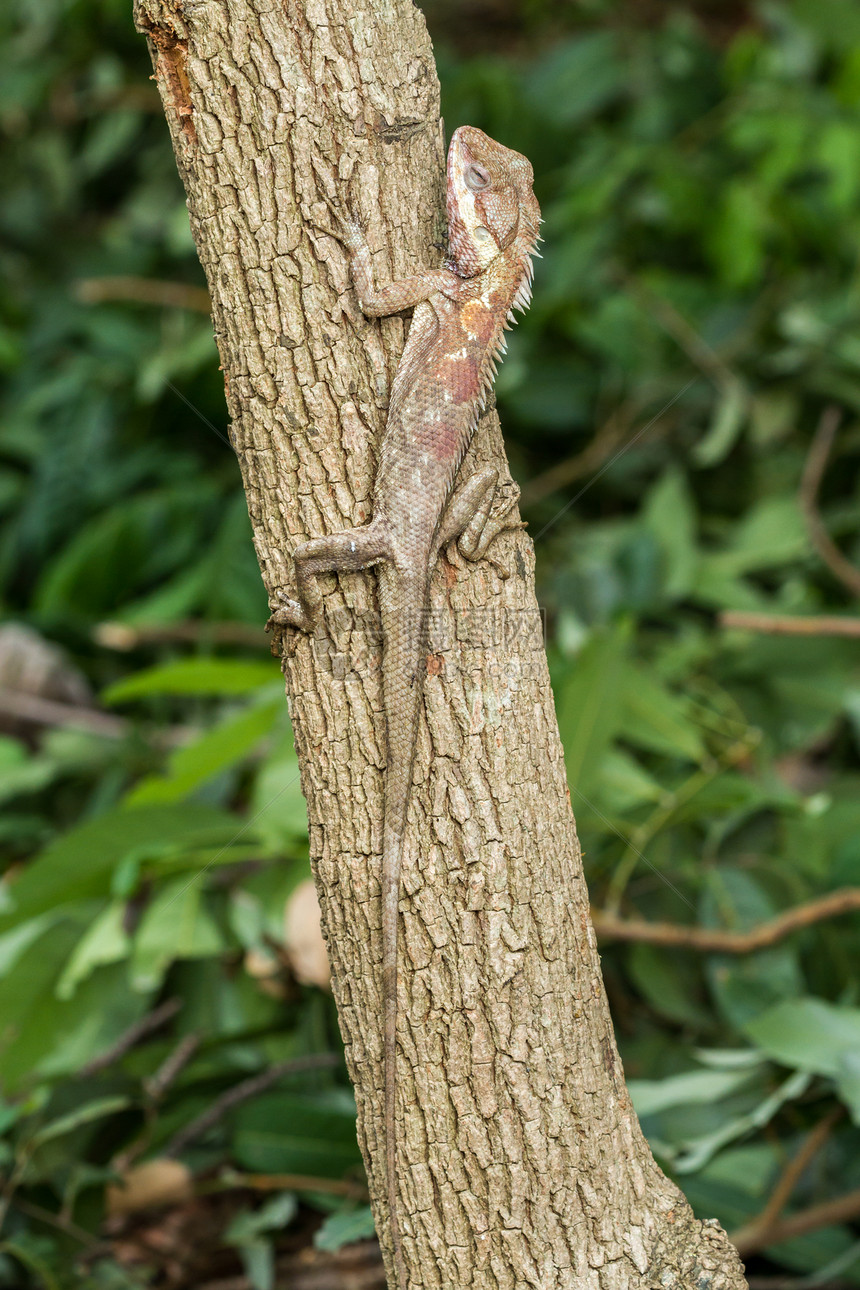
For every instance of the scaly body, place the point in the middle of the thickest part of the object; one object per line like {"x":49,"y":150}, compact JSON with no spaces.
{"x":447,"y":367}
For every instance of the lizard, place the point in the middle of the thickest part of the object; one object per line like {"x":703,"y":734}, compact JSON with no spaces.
{"x":461,"y":311}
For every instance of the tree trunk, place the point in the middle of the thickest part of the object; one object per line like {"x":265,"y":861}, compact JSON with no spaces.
{"x":522,"y":1162}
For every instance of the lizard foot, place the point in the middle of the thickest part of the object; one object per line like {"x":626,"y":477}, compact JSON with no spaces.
{"x":347,"y":229}
{"x":290,"y":614}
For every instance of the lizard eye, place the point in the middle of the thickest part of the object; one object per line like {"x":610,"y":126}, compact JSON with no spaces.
{"x":477,"y":178}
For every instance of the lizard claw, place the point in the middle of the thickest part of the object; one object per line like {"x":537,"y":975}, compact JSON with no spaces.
{"x":347,"y":229}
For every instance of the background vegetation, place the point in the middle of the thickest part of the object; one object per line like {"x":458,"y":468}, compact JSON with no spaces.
{"x":696,"y":315}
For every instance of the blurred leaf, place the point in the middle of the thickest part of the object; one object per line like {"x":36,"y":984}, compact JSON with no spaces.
{"x":218,"y":676}
{"x":226,"y":744}
{"x":345,"y":1227}
{"x":578,"y":78}
{"x":727,"y":424}
{"x":273,"y":1216}
{"x":44,"y":1035}
{"x":294,"y":1133}
{"x":812,"y":1035}
{"x":104,"y":941}
{"x":79,"y":865}
{"x":590,"y":704}
{"x":669,"y":513}
{"x":657,"y":720}
{"x":174,"y":926}
{"x":650,"y":1096}
{"x":82,"y":1115}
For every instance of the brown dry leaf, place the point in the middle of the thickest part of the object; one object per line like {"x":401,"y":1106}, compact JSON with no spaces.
{"x":156,"y":1182}
{"x":303,"y":937}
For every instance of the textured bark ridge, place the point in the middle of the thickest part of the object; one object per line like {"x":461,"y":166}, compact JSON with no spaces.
{"x":522,"y":1163}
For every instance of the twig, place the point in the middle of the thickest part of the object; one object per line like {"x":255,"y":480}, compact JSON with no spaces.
{"x":152,"y":1021}
{"x":58,"y":1221}
{"x":175,"y":1062}
{"x":145,"y":291}
{"x":828,"y":1214}
{"x":123,"y":636}
{"x":813,"y":473}
{"x":788,"y":1180}
{"x":605,"y":441}
{"x":610,"y":927}
{"x":287,"y":1182}
{"x":789,"y":624}
{"x":242,"y":1093}
{"x":682,"y":332}
{"x":37,"y":711}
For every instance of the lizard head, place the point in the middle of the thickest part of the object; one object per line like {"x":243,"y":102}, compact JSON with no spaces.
{"x":490,"y":201}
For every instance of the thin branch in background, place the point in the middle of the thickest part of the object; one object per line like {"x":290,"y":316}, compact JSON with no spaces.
{"x":244,"y":1092}
{"x":609,"y":927}
{"x":828,"y":1214}
{"x":614,"y":429}
{"x":673,"y":322}
{"x":810,"y":485}
{"x":151,"y":1022}
{"x":789,"y":624}
{"x":144,"y":291}
{"x":37,"y":711}
{"x":658,"y":416}
{"x":287,"y":1182}
{"x":746,"y":1237}
{"x":124,"y":636}
{"x":172,"y":1066}
{"x":59,"y":1221}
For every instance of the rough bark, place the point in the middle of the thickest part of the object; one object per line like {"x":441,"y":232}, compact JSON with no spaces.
{"x":522,"y":1162}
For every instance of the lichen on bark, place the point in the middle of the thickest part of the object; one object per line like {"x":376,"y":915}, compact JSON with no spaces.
{"x":521,"y":1159}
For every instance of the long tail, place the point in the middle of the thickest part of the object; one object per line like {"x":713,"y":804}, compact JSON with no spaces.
{"x":403,"y":606}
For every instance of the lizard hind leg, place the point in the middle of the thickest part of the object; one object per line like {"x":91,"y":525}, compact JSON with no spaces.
{"x":344,"y":552}
{"x":467,"y":518}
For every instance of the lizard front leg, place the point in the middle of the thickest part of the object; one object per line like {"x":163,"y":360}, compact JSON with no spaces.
{"x":467,"y":518}
{"x":344,"y":552}
{"x":392,"y":297}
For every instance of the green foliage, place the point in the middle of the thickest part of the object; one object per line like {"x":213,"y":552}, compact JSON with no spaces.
{"x":695,"y":311}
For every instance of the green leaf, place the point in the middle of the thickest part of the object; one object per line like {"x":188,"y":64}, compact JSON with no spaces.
{"x":174,"y":926}
{"x":43,"y":1035}
{"x":82,"y":1115}
{"x":578,"y":77}
{"x":729,"y":420}
{"x":656,"y":719}
{"x":274,"y":1216}
{"x":700,"y":1150}
{"x":669,"y":513}
{"x":812,"y":1035}
{"x":624,"y":784}
{"x":651,"y":1096}
{"x":590,"y":705}
{"x":79,"y":865}
{"x":217,"y":676}
{"x":258,"y":1261}
{"x":34,"y":1262}
{"x":225,"y":745}
{"x":16,"y":942}
{"x":345,"y":1227}
{"x":771,"y":534}
{"x":105,"y":941}
{"x":295,"y":1133}
{"x":668,"y":984}
{"x":278,"y":806}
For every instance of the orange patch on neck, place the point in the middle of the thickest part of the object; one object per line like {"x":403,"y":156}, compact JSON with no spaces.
{"x":476,"y":318}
